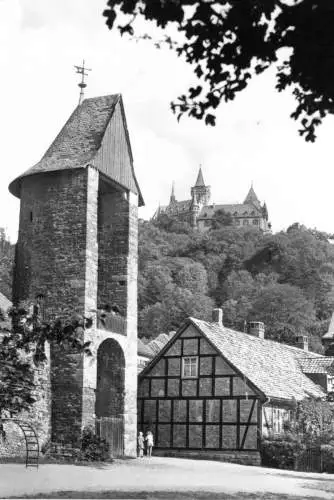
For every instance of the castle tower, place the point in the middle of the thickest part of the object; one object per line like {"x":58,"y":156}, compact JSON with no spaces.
{"x":200,"y":191}
{"x":77,"y":249}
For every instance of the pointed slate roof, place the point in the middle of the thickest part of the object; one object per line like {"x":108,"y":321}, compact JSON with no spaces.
{"x":200,"y":180}
{"x":79,"y":141}
{"x":251,"y":198}
{"x":330,"y":333}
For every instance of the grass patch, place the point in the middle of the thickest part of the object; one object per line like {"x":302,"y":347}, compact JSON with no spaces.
{"x":162,"y":495}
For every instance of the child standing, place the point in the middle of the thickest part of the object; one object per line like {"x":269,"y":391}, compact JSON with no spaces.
{"x":149,"y":442}
{"x":141,"y":444}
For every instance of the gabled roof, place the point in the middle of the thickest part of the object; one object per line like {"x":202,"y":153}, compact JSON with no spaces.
{"x":251,"y":198}
{"x":200,"y":180}
{"x":236,"y":210}
{"x":273,"y":368}
{"x":79,"y":141}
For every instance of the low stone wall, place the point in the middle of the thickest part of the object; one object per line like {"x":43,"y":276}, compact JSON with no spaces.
{"x":14,"y":444}
{"x":236,"y":457}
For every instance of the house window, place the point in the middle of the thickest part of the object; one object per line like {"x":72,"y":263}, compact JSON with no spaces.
{"x":190,"y":367}
{"x":255,"y":222}
{"x":245,"y":222}
{"x":330,"y":384}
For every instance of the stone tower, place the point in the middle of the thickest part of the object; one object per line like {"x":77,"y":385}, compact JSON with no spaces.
{"x":77,"y":251}
{"x":201,"y":193}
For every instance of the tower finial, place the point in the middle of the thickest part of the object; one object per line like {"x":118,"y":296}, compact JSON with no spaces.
{"x":82,"y":85}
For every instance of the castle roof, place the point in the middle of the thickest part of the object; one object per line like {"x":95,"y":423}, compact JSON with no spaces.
{"x":237,"y":210}
{"x":251,"y":198}
{"x":200,"y":180}
{"x":176,"y":208}
{"x":80,"y":140}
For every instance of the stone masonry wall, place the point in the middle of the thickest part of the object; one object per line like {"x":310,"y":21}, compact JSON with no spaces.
{"x":52,"y":260}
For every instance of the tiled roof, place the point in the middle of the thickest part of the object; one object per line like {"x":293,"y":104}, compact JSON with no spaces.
{"x":144,"y":350}
{"x":5,"y":303}
{"x":160,"y":341}
{"x":79,"y":141}
{"x":272,"y":367}
{"x":318,"y":365}
{"x":236,"y":210}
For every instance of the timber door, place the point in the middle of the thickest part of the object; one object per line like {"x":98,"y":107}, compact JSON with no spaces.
{"x":112,"y":430}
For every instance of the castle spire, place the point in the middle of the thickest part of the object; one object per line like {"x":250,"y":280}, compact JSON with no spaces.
{"x":251,"y":197}
{"x":172,"y":196}
{"x":200,"y":180}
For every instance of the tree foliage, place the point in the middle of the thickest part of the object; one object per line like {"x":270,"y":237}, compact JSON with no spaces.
{"x":23,"y":348}
{"x":227,"y":42}
{"x":285,"y":280}
{"x":6,"y":264}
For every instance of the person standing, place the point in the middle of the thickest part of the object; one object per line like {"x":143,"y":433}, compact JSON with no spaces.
{"x":141,"y":444}
{"x":149,"y":443}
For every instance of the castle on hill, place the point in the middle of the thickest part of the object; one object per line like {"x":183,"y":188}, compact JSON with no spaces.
{"x":200,"y":212}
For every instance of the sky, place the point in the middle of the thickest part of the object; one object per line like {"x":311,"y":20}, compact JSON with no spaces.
{"x":254,"y":140}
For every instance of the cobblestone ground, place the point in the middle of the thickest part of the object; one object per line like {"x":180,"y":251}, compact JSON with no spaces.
{"x":161,"y":478}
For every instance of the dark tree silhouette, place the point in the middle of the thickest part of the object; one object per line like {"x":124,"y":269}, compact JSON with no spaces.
{"x":229,"y":41}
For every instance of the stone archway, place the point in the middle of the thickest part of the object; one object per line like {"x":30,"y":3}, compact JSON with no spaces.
{"x":109,"y":406}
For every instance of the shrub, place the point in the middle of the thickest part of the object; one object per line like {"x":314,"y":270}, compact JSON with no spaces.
{"x":93,"y":448}
{"x":281,"y":452}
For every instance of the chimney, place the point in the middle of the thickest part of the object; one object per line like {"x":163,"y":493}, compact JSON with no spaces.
{"x":301,"y":341}
{"x":256,"y":328}
{"x":217,"y":316}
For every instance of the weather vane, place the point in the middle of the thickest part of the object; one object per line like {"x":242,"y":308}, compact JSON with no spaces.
{"x":82,"y":71}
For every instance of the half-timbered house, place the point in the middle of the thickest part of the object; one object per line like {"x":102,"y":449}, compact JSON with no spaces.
{"x":213,"y":391}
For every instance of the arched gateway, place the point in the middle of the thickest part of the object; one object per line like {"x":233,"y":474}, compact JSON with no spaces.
{"x":109,"y":406}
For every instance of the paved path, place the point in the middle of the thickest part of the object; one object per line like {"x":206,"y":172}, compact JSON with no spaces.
{"x":163,"y":475}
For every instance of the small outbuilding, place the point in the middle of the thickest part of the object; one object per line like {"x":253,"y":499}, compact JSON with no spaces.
{"x":213,"y":392}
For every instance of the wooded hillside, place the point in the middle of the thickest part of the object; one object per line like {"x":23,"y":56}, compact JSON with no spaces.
{"x":284,"y":279}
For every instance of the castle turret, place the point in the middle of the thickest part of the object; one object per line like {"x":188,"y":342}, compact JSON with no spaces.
{"x":200,"y":191}
{"x":77,"y":248}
